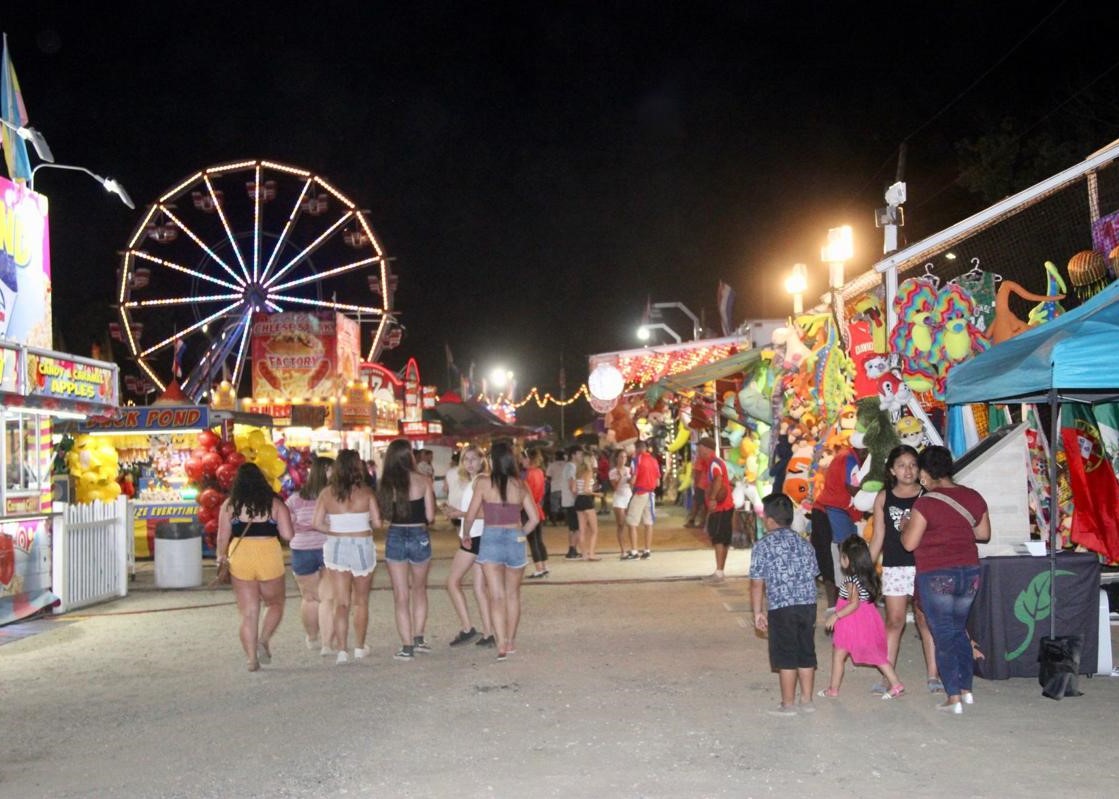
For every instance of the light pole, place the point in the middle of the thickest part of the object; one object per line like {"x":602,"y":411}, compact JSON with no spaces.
{"x":109,"y":184}
{"x":655,"y":314}
{"x":796,"y":284}
{"x":838,"y":250}
{"x":28,"y":133}
{"x":645,"y":331}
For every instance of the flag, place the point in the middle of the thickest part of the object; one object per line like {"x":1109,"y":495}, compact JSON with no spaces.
{"x":13,"y":112}
{"x":725,"y":300}
{"x":1095,"y":490}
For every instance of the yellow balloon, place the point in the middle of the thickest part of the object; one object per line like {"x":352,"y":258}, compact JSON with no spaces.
{"x":256,"y":439}
{"x":686,"y":476}
{"x":683,"y":434}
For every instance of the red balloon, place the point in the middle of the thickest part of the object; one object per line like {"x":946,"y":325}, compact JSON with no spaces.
{"x":208,"y":439}
{"x":211,"y":526}
{"x":235,"y":459}
{"x":210,"y":498}
{"x":205,"y":514}
{"x":225,"y":474}
{"x":227,"y":448}
{"x":193,"y":469}
{"x":210,"y":463}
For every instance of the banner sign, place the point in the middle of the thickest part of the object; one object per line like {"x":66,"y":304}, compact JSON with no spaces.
{"x":294,"y":355}
{"x":25,"y":268}
{"x":154,"y":418}
{"x":25,"y":569}
{"x":50,"y":376}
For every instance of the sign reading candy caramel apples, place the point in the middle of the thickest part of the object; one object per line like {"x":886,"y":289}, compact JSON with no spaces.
{"x":298,"y":355}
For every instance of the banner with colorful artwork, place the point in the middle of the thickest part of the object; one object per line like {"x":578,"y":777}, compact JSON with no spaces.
{"x":25,"y":569}
{"x":25,"y":272}
{"x":296,"y":355}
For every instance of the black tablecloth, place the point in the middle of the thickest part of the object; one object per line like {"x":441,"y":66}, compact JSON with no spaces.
{"x":1011,"y":611}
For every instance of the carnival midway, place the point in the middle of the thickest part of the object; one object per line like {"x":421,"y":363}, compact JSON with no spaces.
{"x":255,"y":307}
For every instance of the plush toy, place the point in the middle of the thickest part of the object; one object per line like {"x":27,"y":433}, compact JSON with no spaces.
{"x":874,"y":432}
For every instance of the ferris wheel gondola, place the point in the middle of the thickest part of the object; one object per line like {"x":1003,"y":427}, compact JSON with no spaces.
{"x":234,"y":241}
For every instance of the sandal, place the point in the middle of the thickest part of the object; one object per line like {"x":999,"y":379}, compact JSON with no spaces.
{"x":934,"y":685}
{"x":827,"y":693}
{"x":894,"y":692}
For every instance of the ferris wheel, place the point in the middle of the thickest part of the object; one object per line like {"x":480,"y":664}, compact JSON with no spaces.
{"x":234,"y":241}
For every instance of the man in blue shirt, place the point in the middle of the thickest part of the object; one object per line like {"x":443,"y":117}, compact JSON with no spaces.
{"x":783,"y":566}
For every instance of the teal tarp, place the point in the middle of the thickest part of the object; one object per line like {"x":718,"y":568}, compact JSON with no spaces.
{"x":1077,"y":354}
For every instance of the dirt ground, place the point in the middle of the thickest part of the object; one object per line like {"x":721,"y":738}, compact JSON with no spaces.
{"x":632,"y":679}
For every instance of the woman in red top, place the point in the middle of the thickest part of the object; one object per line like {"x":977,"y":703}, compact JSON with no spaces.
{"x":941,"y":533}
{"x":534,"y":481}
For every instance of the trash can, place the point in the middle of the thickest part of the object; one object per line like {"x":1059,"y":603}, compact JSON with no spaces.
{"x":178,"y":555}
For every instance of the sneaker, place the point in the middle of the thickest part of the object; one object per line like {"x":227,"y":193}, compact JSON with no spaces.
{"x":967,"y":697}
{"x":420,"y":645}
{"x":362,"y":651}
{"x":487,"y":640}
{"x":956,"y":709}
{"x":783,"y":710}
{"x":934,"y":685}
{"x":342,"y":658}
{"x":310,"y":642}
{"x":714,"y":579}
{"x":464,"y":636}
{"x":571,"y":554}
{"x":327,"y":652}
{"x":645,"y":555}
{"x":631,"y":555}
{"x":405,"y":653}
{"x":536,"y":575}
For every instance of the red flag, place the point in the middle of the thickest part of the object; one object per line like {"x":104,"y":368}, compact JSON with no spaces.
{"x":1095,"y":491}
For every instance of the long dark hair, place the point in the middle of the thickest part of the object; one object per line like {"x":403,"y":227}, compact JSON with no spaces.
{"x":895,"y":453}
{"x":860,"y":565}
{"x":348,"y":473}
{"x":317,"y":477}
{"x":504,"y":466}
{"x":396,"y":479}
{"x":250,"y":492}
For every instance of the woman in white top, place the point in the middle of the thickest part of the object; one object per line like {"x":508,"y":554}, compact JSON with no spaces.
{"x":585,"y":473}
{"x":621,"y":481}
{"x":347,"y":512}
{"x":472,"y":465}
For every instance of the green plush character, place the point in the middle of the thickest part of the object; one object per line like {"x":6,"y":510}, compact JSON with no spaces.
{"x":875,"y":433}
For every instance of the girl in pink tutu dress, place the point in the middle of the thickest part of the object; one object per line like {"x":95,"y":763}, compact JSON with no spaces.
{"x":859,"y":631}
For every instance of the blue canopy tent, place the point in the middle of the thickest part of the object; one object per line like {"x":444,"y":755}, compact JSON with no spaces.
{"x":1074,"y":358}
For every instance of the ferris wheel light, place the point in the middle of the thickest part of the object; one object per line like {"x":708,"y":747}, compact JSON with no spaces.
{"x":308,"y":249}
{"x":175,"y":191}
{"x":345,"y":200}
{"x":184,"y":269}
{"x":217,"y":170}
{"x":291,"y":170}
{"x":292,"y":217}
{"x":219,"y":206}
{"x":193,"y":237}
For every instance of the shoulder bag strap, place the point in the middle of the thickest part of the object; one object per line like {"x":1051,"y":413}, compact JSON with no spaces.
{"x":947,"y":500}
{"x":233,"y":548}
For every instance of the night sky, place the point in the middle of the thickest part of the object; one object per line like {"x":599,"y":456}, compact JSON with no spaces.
{"x":538,"y":171}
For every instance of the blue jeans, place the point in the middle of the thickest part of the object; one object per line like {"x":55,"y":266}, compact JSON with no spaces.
{"x":946,"y":596}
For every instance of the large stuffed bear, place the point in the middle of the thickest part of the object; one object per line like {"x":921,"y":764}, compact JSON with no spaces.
{"x":874,"y":432}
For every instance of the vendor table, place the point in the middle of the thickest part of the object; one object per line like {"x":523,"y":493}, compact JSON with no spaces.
{"x":1011,"y":611}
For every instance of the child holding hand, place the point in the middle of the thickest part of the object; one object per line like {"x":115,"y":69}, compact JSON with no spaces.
{"x":859,"y":631}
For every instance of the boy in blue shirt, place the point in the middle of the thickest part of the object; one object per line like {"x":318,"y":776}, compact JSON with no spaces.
{"x":783,"y":565}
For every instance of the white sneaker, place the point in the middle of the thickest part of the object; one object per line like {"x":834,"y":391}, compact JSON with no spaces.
{"x":967,"y":697}
{"x":362,"y":652}
{"x":342,"y":658}
{"x":311,"y":642}
{"x":327,"y":652}
{"x":714,"y":578}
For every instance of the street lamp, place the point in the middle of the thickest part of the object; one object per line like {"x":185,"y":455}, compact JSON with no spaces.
{"x":796,"y":284}
{"x":28,"y":133}
{"x":109,"y":184}
{"x":646,"y":330}
{"x":838,"y":250}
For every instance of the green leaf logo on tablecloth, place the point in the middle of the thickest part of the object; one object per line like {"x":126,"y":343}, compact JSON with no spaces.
{"x":1032,"y":606}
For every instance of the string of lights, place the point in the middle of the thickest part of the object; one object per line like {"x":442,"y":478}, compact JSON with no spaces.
{"x":542,"y":401}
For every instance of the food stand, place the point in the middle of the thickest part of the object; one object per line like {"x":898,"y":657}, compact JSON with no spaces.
{"x":37,"y":386}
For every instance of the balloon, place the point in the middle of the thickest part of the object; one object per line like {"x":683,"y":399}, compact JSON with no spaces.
{"x":282,"y":451}
{"x":225,"y":474}
{"x":256,"y":439}
{"x":208,"y":440}
{"x":193,"y":469}
{"x":210,"y":463}
{"x":210,"y":498}
{"x":211,"y":526}
{"x":205,"y":514}
{"x":287,"y":483}
{"x":227,"y":449}
{"x":235,"y":459}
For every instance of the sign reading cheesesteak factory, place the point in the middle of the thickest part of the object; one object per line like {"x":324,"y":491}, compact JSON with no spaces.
{"x":297,"y":355}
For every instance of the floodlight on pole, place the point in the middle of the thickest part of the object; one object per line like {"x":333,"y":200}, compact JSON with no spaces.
{"x":796,"y":284}
{"x":646,"y":330}
{"x":28,"y":133}
{"x":686,"y":311}
{"x":109,"y":184}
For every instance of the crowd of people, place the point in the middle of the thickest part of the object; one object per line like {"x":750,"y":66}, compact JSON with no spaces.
{"x":496,"y":502}
{"x":925,"y":530}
